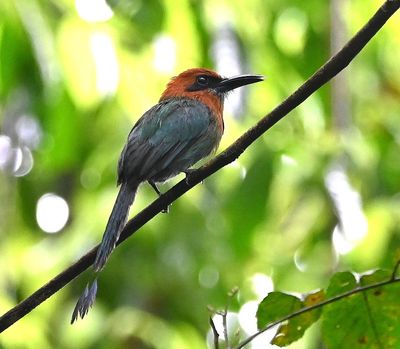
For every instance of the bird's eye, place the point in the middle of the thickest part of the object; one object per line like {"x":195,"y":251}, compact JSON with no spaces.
{"x":202,"y":80}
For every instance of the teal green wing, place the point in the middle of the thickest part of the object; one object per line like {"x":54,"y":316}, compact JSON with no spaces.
{"x":168,"y":139}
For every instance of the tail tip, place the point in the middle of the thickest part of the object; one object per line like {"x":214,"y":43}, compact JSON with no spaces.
{"x":85,"y":302}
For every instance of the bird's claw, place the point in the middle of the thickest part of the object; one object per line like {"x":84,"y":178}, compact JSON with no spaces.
{"x":188,"y":173}
{"x":154,"y":186}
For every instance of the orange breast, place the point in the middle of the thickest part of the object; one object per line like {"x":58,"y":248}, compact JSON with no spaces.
{"x":211,"y":100}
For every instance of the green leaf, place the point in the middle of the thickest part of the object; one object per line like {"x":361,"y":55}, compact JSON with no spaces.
{"x":277,"y":305}
{"x":369,"y":319}
{"x":340,"y":283}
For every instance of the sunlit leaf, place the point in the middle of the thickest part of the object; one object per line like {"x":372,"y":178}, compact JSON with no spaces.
{"x":278,"y":305}
{"x":370,"y":319}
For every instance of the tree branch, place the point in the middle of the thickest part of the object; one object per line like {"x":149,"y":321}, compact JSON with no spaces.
{"x":336,"y":64}
{"x":316,"y":306}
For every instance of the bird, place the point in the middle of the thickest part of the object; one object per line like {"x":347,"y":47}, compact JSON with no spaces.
{"x":185,"y":126}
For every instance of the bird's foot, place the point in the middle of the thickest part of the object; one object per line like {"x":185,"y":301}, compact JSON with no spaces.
{"x":154,"y":186}
{"x":188,"y":174}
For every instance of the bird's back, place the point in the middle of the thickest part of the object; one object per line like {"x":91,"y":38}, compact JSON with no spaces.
{"x":168,"y":139}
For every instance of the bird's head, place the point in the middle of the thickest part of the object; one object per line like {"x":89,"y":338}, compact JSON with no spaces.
{"x":200,"y":83}
{"x":207,"y":87}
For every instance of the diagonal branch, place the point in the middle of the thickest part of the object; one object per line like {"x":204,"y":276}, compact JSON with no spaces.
{"x":335,"y":65}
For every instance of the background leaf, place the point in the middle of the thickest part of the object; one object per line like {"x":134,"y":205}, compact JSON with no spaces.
{"x":278,"y":305}
{"x":368,"y":320}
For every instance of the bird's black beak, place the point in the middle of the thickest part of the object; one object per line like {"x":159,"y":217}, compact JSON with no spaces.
{"x":229,"y":84}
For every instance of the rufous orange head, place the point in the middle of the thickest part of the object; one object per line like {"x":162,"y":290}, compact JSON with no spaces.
{"x":206,"y":86}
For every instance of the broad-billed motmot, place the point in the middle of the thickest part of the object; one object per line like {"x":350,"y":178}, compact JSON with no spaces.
{"x":185,"y":126}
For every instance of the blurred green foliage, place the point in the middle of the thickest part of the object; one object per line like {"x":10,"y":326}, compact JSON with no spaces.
{"x":79,"y":74}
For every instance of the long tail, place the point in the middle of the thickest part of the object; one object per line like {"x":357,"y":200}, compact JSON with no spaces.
{"x":113,"y":230}
{"x":115,"y":224}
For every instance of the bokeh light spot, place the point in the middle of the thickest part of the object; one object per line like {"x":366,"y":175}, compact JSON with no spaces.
{"x":28,"y":131}
{"x":24,"y":162}
{"x":300,"y":264}
{"x":5,"y":150}
{"x":106,"y":63}
{"x":208,"y":277}
{"x":262,"y":284}
{"x":18,"y":157}
{"x":288,"y":160}
{"x":248,"y":322}
{"x":352,"y":227}
{"x":290,"y":31}
{"x":232,"y":323}
{"x":93,"y":10}
{"x":164,"y":53}
{"x":52,"y":213}
{"x":90,"y":178}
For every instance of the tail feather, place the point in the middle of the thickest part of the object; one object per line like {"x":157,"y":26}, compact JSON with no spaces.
{"x":115,"y":224}
{"x":113,"y":230}
{"x":85,"y":302}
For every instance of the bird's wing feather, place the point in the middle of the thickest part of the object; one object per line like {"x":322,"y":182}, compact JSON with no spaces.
{"x":171,"y":129}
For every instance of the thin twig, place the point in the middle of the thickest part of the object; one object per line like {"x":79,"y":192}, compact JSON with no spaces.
{"x":316,"y":306}
{"x":232,"y":293}
{"x":215,"y":333}
{"x":335,"y":65}
{"x":396,"y":269}
{"x":224,"y":315}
